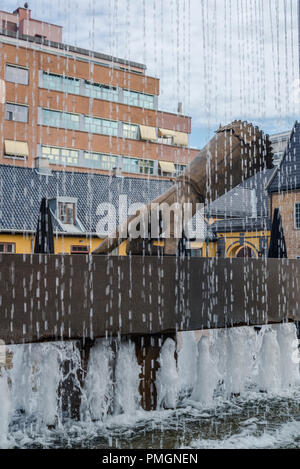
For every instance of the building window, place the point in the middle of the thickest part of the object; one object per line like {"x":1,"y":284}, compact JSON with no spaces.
{"x":137,"y":166}
{"x":133,"y":98}
{"x":98,"y":91}
{"x":7,"y":248}
{"x":131,"y":131}
{"x":16,"y":74}
{"x":179,"y":168}
{"x":80,"y":249}
{"x":16,"y":112}
{"x":66,"y":213}
{"x":166,"y":140}
{"x":297,"y":216}
{"x":100,"y":161}
{"x":60,"y":83}
{"x":61,"y":156}
{"x":64,"y":120}
{"x":95,"y":125}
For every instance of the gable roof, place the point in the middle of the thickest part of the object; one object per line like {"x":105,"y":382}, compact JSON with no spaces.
{"x":287,"y":176}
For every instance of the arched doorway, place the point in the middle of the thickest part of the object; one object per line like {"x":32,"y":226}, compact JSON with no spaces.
{"x":245,"y":251}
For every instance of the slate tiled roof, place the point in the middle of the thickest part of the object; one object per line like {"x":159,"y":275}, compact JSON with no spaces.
{"x":21,"y":191}
{"x":249,"y":199}
{"x":287,"y":176}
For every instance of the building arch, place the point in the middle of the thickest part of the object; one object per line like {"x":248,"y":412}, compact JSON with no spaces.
{"x":246,"y":249}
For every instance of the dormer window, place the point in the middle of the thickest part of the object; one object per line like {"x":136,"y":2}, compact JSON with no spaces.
{"x":66,"y":213}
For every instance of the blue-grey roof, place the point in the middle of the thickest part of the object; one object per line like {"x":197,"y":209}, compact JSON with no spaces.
{"x":21,"y":191}
{"x":247,"y":200}
{"x":287,"y":176}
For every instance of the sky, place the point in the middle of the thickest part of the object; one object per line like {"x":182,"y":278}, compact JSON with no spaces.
{"x":223,"y":59}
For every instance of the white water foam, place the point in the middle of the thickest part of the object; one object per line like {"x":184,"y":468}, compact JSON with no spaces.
{"x":167,"y":380}
{"x":127,"y":397}
{"x":5,"y":408}
{"x":269,"y":375}
{"x":31,"y":393}
{"x":98,"y":395}
{"x":187,"y":361}
{"x":203,"y":390}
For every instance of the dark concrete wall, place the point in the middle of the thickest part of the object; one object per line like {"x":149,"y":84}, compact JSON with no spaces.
{"x":69,"y":297}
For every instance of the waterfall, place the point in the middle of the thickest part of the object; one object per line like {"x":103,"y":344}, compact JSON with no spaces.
{"x":5,"y":408}
{"x":127,"y":398}
{"x":269,"y":376}
{"x":206,"y":374}
{"x":97,"y":400}
{"x":187,"y":355}
{"x":239,"y":359}
{"x":289,"y":360}
{"x":167,"y":382}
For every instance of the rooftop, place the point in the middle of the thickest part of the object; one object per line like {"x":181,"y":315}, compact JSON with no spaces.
{"x":287,"y":176}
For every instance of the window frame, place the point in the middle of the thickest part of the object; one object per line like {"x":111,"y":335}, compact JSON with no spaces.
{"x":137,"y":131}
{"x":58,"y":159}
{"x":73,"y":249}
{"x":6,"y":244}
{"x":20,"y":105}
{"x":64,"y":204}
{"x":62,"y":82}
{"x":18,"y":67}
{"x":295,"y":216}
{"x":61,"y":124}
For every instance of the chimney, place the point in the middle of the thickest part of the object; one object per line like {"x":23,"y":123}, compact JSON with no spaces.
{"x":179,"y":108}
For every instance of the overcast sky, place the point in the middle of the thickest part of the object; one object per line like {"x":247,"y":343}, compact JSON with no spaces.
{"x":223,"y":59}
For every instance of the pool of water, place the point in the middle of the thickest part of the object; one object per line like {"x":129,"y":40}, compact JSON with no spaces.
{"x":254,"y":421}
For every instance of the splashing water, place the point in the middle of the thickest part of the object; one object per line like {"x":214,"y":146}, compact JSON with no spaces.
{"x":289,"y":359}
{"x":187,"y":354}
{"x":231,"y":368}
{"x":98,"y":389}
{"x":127,"y":380}
{"x":206,"y":374}
{"x":269,"y":378}
{"x":5,"y":407}
{"x":239,"y":361}
{"x":167,"y":377}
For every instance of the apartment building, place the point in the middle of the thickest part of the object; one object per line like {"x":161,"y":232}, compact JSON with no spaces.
{"x":67,"y":108}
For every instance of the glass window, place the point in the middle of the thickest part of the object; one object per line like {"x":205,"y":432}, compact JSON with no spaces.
{"x":130,"y":131}
{"x":80,"y":249}
{"x":64,"y":120}
{"x":61,"y":83}
{"x":166,"y":140}
{"x":98,"y":91}
{"x":100,"y":161}
{"x":61,"y":156}
{"x":16,"y":112}
{"x":133,"y":98}
{"x":66,"y":213}
{"x":8,"y":248}
{"x":137,"y":166}
{"x":297,"y":216}
{"x":16,"y":74}
{"x":95,"y":125}
{"x":179,"y":168}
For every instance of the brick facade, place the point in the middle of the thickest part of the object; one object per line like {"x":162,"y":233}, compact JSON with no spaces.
{"x":285,"y":201}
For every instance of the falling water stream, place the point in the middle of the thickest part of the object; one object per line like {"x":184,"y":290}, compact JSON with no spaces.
{"x":234,"y":388}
